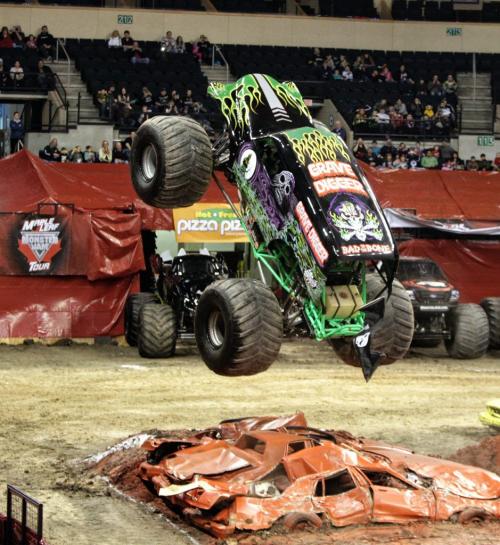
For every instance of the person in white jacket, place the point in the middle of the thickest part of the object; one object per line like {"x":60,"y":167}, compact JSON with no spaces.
{"x":115,"y":40}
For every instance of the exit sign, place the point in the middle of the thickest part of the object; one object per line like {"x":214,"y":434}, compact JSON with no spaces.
{"x":125,"y":19}
{"x":454,"y":31}
{"x":485,"y":140}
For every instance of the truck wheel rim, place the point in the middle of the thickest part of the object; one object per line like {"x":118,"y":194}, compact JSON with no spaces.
{"x":149,"y":162}
{"x":216,"y":328}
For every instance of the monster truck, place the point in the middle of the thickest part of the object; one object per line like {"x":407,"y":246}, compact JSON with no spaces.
{"x":438,"y":315}
{"x":311,"y":216}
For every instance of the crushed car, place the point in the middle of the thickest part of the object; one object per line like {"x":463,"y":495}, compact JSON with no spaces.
{"x":252,"y":473}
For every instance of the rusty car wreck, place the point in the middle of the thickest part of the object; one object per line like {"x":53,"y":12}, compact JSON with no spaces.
{"x":251,"y":473}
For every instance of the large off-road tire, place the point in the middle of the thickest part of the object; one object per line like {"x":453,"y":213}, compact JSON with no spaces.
{"x":157,"y":331}
{"x":491,"y":306}
{"x":171,"y":161}
{"x":238,"y":327}
{"x":132,"y":308}
{"x":392,"y":335}
{"x":470,"y":332}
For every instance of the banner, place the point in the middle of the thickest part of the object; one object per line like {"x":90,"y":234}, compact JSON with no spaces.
{"x":208,"y":222}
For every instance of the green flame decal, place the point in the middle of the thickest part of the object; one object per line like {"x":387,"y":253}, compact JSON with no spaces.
{"x":316,"y":145}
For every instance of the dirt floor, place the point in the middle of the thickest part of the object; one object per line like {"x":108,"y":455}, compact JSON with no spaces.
{"x":59,"y":405}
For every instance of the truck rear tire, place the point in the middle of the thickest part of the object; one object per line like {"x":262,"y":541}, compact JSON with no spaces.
{"x":491,"y":306}
{"x":393,"y":334}
{"x":171,"y":161}
{"x":470,"y":333}
{"x":238,"y":327}
{"x":157,"y":331}
{"x":132,"y":309}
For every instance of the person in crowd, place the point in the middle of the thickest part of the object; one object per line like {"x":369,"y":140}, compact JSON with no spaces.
{"x":400,"y":107}
{"x":204,"y":48}
{"x":17,"y":74}
{"x":44,"y":75}
{"x":161,"y":101}
{"x":472,"y":164}
{"x":167,"y":43}
{"x":396,"y":119}
{"x":372,"y":159}
{"x":115,"y":39}
{"x":428,"y":117}
{"x":102,"y":99}
{"x":89,"y":155}
{"x":400,"y":162}
{"x":119,"y":155}
{"x":4,"y":76}
{"x":336,"y":76}
{"x":409,"y":124}
{"x":483,"y":164}
{"x":188,"y":102}
{"x":124,"y":107}
{"x":386,"y":74}
{"x":359,"y":119}
{"x":147,"y":98}
{"x":413,"y":158}
{"x":360,"y":150}
{"x":18,"y":37}
{"x":388,"y":148}
{"x":316,"y":59}
{"x":137,"y":55}
{"x":383,"y":118}
{"x":496,"y":162}
{"x":429,"y":160}
{"x":46,"y":43}
{"x":76,"y":155}
{"x":347,"y":74}
{"x":339,"y":130}
{"x":450,"y":87}
{"x":404,"y":77}
{"x":127,"y":41}
{"x":51,"y":151}
{"x":435,"y":87}
{"x":110,"y":108}
{"x":31,"y":43}
{"x":64,"y":155}
{"x":387,"y":161}
{"x":105,"y":153}
{"x":445,"y":115}
{"x":16,"y":132}
{"x":180,"y":46}
{"x":146,"y":113}
{"x":6,"y":40}
{"x":127,"y":144}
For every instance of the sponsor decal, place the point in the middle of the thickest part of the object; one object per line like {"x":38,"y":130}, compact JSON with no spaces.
{"x":327,"y":186}
{"x":248,"y":161}
{"x":326,"y":169}
{"x":354,"y":219}
{"x":39,"y":240}
{"x":208,"y":223}
{"x":319,"y":251}
{"x":364,"y":249}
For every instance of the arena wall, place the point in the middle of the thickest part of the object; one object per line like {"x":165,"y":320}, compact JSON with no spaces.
{"x":259,"y":29}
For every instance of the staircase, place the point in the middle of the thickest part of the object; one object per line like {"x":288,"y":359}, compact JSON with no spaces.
{"x":72,"y":82}
{"x":218,"y":74}
{"x":477,"y":108}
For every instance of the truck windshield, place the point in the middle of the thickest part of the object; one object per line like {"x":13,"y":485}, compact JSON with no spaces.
{"x":412,"y":270}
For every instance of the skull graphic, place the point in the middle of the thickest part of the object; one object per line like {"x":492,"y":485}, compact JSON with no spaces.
{"x":283,"y":184}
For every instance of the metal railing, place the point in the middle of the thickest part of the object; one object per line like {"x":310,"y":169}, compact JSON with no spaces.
{"x":26,"y":517}
{"x":216,"y":50}
{"x":60,"y":91}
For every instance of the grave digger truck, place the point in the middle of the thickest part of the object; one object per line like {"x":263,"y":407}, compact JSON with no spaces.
{"x":313,"y":223}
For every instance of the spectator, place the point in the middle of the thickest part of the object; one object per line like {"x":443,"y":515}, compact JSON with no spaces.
{"x":372,"y":159}
{"x":76,"y":155}
{"x":146,"y":112}
{"x":400,"y":162}
{"x":386,"y":73}
{"x":416,"y":108}
{"x":4,"y":76}
{"x":16,"y":132}
{"x":168,"y":44}
{"x":18,"y":37}
{"x":115,"y":39}
{"x":89,"y":155}
{"x":102,"y":100}
{"x":316,"y":57}
{"x":137,"y":56}
{"x":400,"y":107}
{"x":434,"y":87}
{"x":453,"y":163}
{"x":45,"y":77}
{"x":188,"y":102}
{"x":429,"y":160}
{"x":409,"y":123}
{"x":46,"y":43}
{"x":483,"y":164}
{"x":403,"y":76}
{"x":336,"y":75}
{"x":17,"y":74}
{"x":162,"y":101}
{"x":497,"y":161}
{"x":387,"y":161}
{"x":119,"y":155}
{"x":180,"y":46}
{"x":127,"y":41}
{"x":347,"y":74}
{"x":450,"y":87}
{"x":51,"y":152}
{"x":147,"y":98}
{"x":204,"y":48}
{"x":123,"y":107}
{"x":359,"y":118}
{"x":339,"y":130}
{"x":64,"y":155}
{"x":127,"y":143}
{"x":445,"y":115}
{"x":6,"y":40}
{"x":360,"y":150}
{"x":428,"y":117}
{"x":472,"y":164}
{"x":383,"y":118}
{"x":388,"y":148}
{"x":31,"y":42}
{"x":413,"y":158}
{"x":105,"y":153}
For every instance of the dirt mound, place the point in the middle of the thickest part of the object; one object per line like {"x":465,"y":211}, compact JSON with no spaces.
{"x":485,"y":454}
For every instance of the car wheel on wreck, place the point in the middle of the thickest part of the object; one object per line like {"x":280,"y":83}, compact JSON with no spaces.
{"x":470,"y":334}
{"x":300,"y":521}
{"x":171,"y":161}
{"x":471,"y":515}
{"x":392,"y":335}
{"x":491,"y":306}
{"x":157,"y":334}
{"x":238,"y":327}
{"x":132,"y":309}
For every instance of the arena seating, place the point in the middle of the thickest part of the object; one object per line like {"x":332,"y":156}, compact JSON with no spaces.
{"x":353,"y":8}
{"x":28,"y":60}
{"x":433,"y":10}
{"x":192,"y":5}
{"x":251,"y":6}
